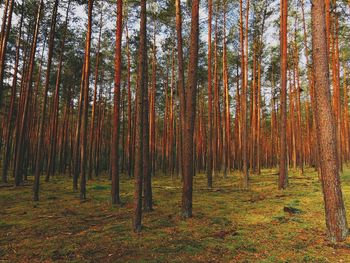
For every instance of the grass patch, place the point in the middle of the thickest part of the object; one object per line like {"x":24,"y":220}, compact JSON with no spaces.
{"x":4,"y":225}
{"x":229,"y":224}
{"x":100,"y":187}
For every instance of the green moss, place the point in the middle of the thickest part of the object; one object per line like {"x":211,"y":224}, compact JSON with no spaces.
{"x":100,"y":187}
{"x":190,"y":246}
{"x":117,"y":228}
{"x":280,"y":219}
{"x":4,"y":224}
{"x":162,"y":222}
{"x":310,"y":258}
{"x":229,"y":224}
{"x":222,"y":221}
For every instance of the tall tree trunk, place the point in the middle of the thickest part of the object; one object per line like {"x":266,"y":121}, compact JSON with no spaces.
{"x":130,"y":142}
{"x":191,"y":91}
{"x":141,"y":92}
{"x":93,"y":114}
{"x":181,"y":81}
{"x":76,"y":150}
{"x":85,"y":104}
{"x":244,"y":75}
{"x":310,"y":77}
{"x":9,"y":128}
{"x":326,"y":131}
{"x":227,"y":150}
{"x":28,"y":86}
{"x":216,"y":107}
{"x":153,"y":93}
{"x":210,"y":101}
{"x":147,"y":162}
{"x":46,"y":88}
{"x":283,"y":167}
{"x":116,"y":117}
{"x":298,"y":102}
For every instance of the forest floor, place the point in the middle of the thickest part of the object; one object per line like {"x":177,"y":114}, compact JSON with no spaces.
{"x":230,"y":224}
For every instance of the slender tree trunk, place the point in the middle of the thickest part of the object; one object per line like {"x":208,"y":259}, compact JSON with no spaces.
{"x":23,"y":119}
{"x":85,"y":105}
{"x":9,"y":128}
{"x":165,"y":127}
{"x":130,"y":142}
{"x":141,"y":92}
{"x":92,"y":127}
{"x":76,"y":151}
{"x":310,"y":77}
{"x":152,"y":107}
{"x":147,"y":162}
{"x":346,"y":114}
{"x":116,"y":117}
{"x":4,"y":39}
{"x":298,"y":104}
{"x":227,"y":150}
{"x":216,"y":107}
{"x":46,"y":88}
{"x":181,"y":82}
{"x":283,"y":167}
{"x":259,"y":120}
{"x":243,"y":40}
{"x":210,"y":101}
{"x":191,"y":91}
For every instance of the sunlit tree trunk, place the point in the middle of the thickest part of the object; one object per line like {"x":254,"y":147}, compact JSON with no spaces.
{"x":326,"y":131}
{"x":210,"y":101}
{"x":310,"y":77}
{"x":334,"y":56}
{"x":85,"y":105}
{"x":298,"y":103}
{"x":243,"y":40}
{"x":346,"y":114}
{"x":283,"y":169}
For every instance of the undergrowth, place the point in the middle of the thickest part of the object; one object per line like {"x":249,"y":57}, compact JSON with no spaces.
{"x":230,"y":224}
